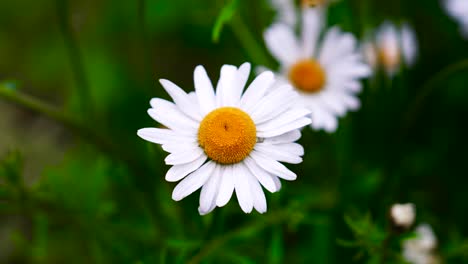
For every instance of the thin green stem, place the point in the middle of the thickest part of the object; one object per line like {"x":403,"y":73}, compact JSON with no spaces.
{"x":428,"y":88}
{"x":76,"y":59}
{"x":248,"y":42}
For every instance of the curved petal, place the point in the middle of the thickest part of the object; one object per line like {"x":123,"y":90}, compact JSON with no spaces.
{"x":226,"y":187}
{"x":282,"y":43}
{"x":178,"y":172}
{"x":209,"y":192}
{"x":257,"y":90}
{"x":163,"y":136}
{"x":242,"y":186}
{"x":312,"y":23}
{"x":181,"y":99}
{"x":193,"y":181}
{"x":265,"y":178}
{"x":284,"y":138}
{"x":186,"y":156}
{"x":258,"y":196}
{"x":296,"y":124}
{"x":226,"y":86}
{"x":273,"y":166}
{"x":204,"y":90}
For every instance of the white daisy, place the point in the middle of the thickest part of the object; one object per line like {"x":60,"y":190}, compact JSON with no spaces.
{"x":403,"y":215}
{"x":391,"y":48}
{"x":458,"y":9}
{"x":325,"y":73}
{"x":228,"y":140}
{"x":420,"y":249}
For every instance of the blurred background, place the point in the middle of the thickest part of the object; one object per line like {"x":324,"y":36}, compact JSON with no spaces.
{"x":78,"y":186}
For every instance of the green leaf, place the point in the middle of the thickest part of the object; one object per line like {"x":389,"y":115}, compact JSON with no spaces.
{"x":224,"y":17}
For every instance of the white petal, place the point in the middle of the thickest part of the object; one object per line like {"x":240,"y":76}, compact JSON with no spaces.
{"x":176,"y":146}
{"x":284,"y":138}
{"x":328,"y":47}
{"x":172,"y":118}
{"x":277,"y":182}
{"x":226,"y":187}
{"x":226,"y":85}
{"x":283,"y":119}
{"x":323,"y":119}
{"x":274,"y":104}
{"x":209,"y":192}
{"x":193,"y":181}
{"x":332,"y":102}
{"x":296,"y":124}
{"x":204,"y":90}
{"x":273,"y":166}
{"x":257,"y":90}
{"x":242,"y":76}
{"x":312,"y":22}
{"x":178,"y":172}
{"x":242,"y":186}
{"x":181,"y":99}
{"x":186,"y":156}
{"x":258,"y":196}
{"x":282,"y":43}
{"x":409,"y":44}
{"x":285,"y":10}
{"x":277,"y":153}
{"x":163,"y":136}
{"x":265,"y":178}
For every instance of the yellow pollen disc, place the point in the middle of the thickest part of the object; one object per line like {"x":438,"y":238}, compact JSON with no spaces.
{"x":227,"y":135}
{"x":389,"y":59}
{"x":307,"y":76}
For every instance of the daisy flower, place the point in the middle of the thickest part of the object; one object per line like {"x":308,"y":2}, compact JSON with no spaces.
{"x":227,"y":140}
{"x":325,"y":73}
{"x":458,"y":9}
{"x":420,"y":249}
{"x":391,"y":48}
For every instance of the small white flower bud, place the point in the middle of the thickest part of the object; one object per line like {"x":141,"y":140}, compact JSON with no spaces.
{"x":403,"y":215}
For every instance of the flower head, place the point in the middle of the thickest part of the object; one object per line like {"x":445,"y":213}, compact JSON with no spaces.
{"x":391,"y":48}
{"x":458,"y":9}
{"x":228,"y":140}
{"x":403,"y":215}
{"x":420,"y":249}
{"x":325,"y":73}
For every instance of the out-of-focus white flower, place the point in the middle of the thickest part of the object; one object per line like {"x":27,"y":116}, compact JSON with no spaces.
{"x":391,"y":48}
{"x":326,"y":73}
{"x":420,"y":249}
{"x":228,"y":139}
{"x":458,"y":9}
{"x":403,"y":215}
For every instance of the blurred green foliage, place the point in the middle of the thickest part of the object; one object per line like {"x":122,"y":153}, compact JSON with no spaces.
{"x":91,"y":68}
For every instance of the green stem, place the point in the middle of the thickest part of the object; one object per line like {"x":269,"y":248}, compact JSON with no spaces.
{"x":428,"y":88}
{"x":71,"y":43}
{"x":248,"y":42}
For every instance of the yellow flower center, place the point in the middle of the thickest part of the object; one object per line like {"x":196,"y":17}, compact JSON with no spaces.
{"x":227,"y":135}
{"x":389,"y":59}
{"x":307,"y":76}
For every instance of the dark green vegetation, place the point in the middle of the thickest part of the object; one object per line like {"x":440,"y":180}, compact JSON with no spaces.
{"x":78,"y":186}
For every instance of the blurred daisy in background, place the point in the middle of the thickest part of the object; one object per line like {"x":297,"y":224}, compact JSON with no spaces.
{"x":391,"y":47}
{"x":325,"y":72}
{"x":458,"y":9}
{"x":228,"y":140}
{"x":403,"y":215}
{"x":420,"y":249}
